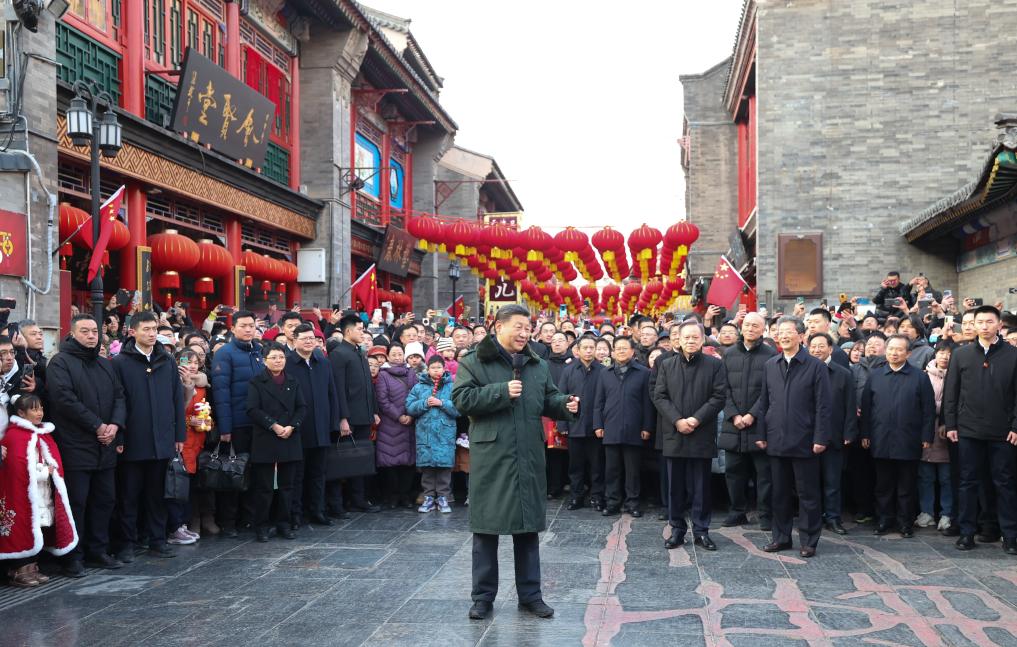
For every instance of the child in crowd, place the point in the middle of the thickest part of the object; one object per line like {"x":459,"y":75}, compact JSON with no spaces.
{"x":430,"y":402}
{"x":34,"y":510}
{"x":447,"y":349}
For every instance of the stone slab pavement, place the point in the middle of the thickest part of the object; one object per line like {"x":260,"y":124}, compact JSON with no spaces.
{"x":400,"y":577}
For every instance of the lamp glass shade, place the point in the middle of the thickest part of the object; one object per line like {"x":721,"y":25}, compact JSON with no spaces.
{"x":79,"y":121}
{"x":109,"y":134}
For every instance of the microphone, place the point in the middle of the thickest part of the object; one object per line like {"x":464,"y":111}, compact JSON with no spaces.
{"x":518,"y":362}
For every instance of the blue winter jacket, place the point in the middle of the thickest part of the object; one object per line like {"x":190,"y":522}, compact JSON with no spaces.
{"x":233,"y":366}
{"x":436,"y":426}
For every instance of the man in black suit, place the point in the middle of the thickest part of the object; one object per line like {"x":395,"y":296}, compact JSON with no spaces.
{"x":793,"y":426}
{"x":356,"y":400}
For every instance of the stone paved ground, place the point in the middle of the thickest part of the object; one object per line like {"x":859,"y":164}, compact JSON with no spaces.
{"x":404,"y":578}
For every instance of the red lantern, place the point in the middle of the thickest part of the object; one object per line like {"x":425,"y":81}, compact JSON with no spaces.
{"x":254,"y":264}
{"x":630,"y":295}
{"x":570,"y":297}
{"x":677,"y":240}
{"x":213,"y":260}
{"x":609,"y":298}
{"x":66,"y":251}
{"x":266,"y":287}
{"x":537,"y":241}
{"x":461,"y":236}
{"x":643,"y":247}
{"x":204,"y":286}
{"x":611,"y":245}
{"x":71,"y":218}
{"x":171,"y":251}
{"x":590,"y":295}
{"x":169,"y":282}
{"x":652,"y":293}
{"x":427,"y":230}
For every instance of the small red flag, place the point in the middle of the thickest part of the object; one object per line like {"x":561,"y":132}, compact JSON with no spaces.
{"x":457,"y":308}
{"x":726,"y":286}
{"x":108,"y":214}
{"x":365,"y":289}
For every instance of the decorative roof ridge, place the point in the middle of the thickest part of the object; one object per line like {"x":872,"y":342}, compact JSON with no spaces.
{"x":708,"y":71}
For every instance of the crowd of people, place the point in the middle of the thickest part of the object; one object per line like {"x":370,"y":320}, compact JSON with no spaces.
{"x":903,"y":417}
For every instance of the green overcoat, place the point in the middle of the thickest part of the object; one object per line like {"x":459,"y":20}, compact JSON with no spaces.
{"x":508,"y":485}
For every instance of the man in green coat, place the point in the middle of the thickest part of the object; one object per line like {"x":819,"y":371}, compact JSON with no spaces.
{"x":505,"y":388}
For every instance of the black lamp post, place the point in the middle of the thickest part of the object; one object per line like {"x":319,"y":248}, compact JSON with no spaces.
{"x":453,"y":274}
{"x":85,"y":124}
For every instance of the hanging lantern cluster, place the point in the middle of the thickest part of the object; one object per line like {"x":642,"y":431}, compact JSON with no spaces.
{"x":590,"y":295}
{"x":576,"y":246}
{"x":643,"y":247}
{"x":75,"y":226}
{"x":649,"y":300}
{"x":570,"y":297}
{"x":427,"y":231}
{"x":269,"y":270}
{"x":630,"y":297}
{"x":172,"y":254}
{"x":677,"y":240}
{"x":610,"y":297}
{"x":214,"y":262}
{"x":611,"y":245}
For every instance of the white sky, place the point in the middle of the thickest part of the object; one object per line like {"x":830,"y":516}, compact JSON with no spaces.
{"x":581,"y":108}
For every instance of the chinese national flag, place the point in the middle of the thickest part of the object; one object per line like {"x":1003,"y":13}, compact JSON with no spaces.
{"x":457,"y":308}
{"x":108,"y":214}
{"x":727,"y":285}
{"x":365,"y":289}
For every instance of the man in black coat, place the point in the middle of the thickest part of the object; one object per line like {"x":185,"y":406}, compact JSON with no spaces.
{"x":622,"y":419}
{"x":898,"y":422}
{"x":153,"y":433}
{"x":586,"y":451}
{"x":689,"y":393}
{"x":28,"y":345}
{"x":87,"y":406}
{"x":793,"y":426}
{"x":980,"y":414}
{"x":743,"y":363}
{"x":359,"y":409}
{"x":819,"y":323}
{"x":313,"y":373}
{"x":843,"y":429}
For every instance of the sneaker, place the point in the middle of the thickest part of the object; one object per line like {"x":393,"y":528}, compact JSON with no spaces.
{"x":190,"y":532}
{"x":924,"y":520}
{"x":944,"y":523}
{"x":427,"y":505}
{"x":180,"y":537}
{"x":443,"y":505}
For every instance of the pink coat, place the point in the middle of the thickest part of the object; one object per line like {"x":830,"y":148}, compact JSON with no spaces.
{"x":938,"y":453}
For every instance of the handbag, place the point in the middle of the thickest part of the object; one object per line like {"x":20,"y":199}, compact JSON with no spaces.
{"x":219,"y":473}
{"x":178,"y":481}
{"x":349,"y":459}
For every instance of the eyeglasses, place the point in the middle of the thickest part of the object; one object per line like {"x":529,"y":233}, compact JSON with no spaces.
{"x":7,"y":353}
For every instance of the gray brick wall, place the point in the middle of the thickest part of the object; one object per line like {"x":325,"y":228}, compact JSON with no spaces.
{"x":711,"y":181}
{"x":427,"y":151}
{"x":868,"y":112}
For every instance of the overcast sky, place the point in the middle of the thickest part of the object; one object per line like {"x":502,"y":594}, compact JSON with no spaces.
{"x":581,"y":108}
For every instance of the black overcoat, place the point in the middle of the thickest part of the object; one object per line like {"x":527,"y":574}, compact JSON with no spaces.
{"x":155,"y":403}
{"x":579,"y":380}
{"x":843,"y":406}
{"x":793,"y":412}
{"x":353,"y":384}
{"x":317,"y":386}
{"x":622,"y":406}
{"x":980,"y":393}
{"x":693,"y":387}
{"x":744,"y":367}
{"x":269,"y":403}
{"x":898,"y":412}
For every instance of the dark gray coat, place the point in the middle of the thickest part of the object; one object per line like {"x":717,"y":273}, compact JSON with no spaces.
{"x":793,"y":413}
{"x":843,"y":406}
{"x":898,"y":412}
{"x":578,"y":380}
{"x":155,"y":403}
{"x":622,"y":406}
{"x":690,"y":387}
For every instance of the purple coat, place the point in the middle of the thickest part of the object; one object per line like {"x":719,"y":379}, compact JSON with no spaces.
{"x":396,"y":442}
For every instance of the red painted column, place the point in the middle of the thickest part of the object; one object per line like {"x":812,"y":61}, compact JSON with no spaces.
{"x":232,"y":39}
{"x":295,"y":124}
{"x":232,"y":224}
{"x":137,"y":204}
{"x":133,"y":97}
{"x":294,"y":293}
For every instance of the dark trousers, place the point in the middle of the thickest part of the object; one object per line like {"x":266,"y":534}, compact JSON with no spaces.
{"x":896,"y":492}
{"x":309,"y":484}
{"x":690,"y":492}
{"x":235,"y":507}
{"x":586,"y":458}
{"x":665,"y":482}
{"x":999,"y":459}
{"x":831,"y":463}
{"x":619,"y":458}
{"x":557,"y":460}
{"x":92,"y":495}
{"x":801,"y":474}
{"x":739,"y":469}
{"x":526,"y":550}
{"x":263,"y":477}
{"x":141,"y":487}
{"x":397,"y":483}
{"x":861,"y":473}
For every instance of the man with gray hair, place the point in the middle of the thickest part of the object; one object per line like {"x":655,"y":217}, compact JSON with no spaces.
{"x":793,"y":426}
{"x":28,"y":343}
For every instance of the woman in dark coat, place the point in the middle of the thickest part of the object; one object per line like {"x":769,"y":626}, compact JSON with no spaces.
{"x":276,"y":408}
{"x":396,"y":447}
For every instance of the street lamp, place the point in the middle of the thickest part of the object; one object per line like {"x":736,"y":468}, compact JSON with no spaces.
{"x":86,"y":125}
{"x":453,"y":274}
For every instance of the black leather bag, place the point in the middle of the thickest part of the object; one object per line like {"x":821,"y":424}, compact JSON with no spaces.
{"x":223,"y":473}
{"x":349,"y":459}
{"x":178,"y":481}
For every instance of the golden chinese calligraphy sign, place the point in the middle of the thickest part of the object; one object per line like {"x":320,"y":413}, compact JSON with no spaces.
{"x":140,"y":164}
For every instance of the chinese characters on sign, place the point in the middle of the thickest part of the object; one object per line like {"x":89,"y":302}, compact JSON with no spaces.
{"x":220,"y":110}
{"x":502,"y":290}
{"x":396,"y":251}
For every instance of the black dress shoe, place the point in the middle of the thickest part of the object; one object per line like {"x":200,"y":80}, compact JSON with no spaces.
{"x":965,"y":542}
{"x":835,"y":526}
{"x":776,"y":547}
{"x":705,"y":542}
{"x":610,"y":511}
{"x":735,"y":519}
{"x":882,"y":529}
{"x":125,"y":555}
{"x":161,"y":550}
{"x":320,"y":520}
{"x":807,"y":552}
{"x":481,"y":610}
{"x":1010,"y":546}
{"x":675,"y":540}
{"x":537,"y":607}
{"x":988,"y":537}
{"x":366,"y":506}
{"x":261,"y":536}
{"x":907,"y":532}
{"x":103,"y":561}
{"x":635,"y":512}
{"x":953,"y":530}
{"x":574,"y":504}
{"x":73,"y":569}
